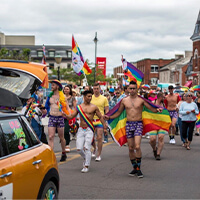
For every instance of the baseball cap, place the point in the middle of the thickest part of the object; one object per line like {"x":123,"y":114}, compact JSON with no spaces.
{"x":111,"y":90}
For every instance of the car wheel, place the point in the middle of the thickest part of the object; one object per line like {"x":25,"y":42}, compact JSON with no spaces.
{"x":50,"y":191}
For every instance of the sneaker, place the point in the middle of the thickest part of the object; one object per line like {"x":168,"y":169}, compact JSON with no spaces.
{"x":98,"y":159}
{"x":93,"y":154}
{"x":147,"y":136}
{"x":133,"y":172}
{"x":63,"y":157}
{"x":170,"y":141}
{"x":158,"y":157}
{"x":173,"y":141}
{"x":105,"y":141}
{"x":197,"y":134}
{"x":139,"y":174}
{"x":85,"y":170}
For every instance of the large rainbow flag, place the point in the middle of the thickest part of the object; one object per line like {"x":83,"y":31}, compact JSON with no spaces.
{"x":151,"y":121}
{"x":131,"y":69}
{"x":198,"y":121}
{"x":155,"y":121}
{"x":118,"y":125}
{"x":79,"y":65}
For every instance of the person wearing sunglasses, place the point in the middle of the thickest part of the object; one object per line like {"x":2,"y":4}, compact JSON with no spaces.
{"x":188,"y":110}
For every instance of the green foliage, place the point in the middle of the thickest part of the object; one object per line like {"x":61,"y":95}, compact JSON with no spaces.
{"x":15,"y":54}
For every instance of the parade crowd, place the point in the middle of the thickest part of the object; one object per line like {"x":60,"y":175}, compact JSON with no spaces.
{"x":83,"y":115}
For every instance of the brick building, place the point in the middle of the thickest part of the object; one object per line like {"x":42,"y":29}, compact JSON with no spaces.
{"x":151,"y":68}
{"x":194,"y":74}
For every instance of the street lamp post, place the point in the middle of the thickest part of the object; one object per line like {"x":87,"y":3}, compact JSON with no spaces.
{"x":95,"y":41}
{"x":58,"y":59}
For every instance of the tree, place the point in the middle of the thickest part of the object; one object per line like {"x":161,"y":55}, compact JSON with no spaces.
{"x":15,"y":54}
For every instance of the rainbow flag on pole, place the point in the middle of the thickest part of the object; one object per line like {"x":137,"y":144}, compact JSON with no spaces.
{"x":131,"y":69}
{"x":79,"y":65}
{"x":151,"y":121}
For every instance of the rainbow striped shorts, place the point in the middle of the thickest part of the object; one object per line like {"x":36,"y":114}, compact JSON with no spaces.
{"x":157,"y":132}
{"x":97,"y":123}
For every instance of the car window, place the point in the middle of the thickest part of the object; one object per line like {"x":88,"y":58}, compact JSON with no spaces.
{"x":31,"y":133}
{"x":13,"y":82}
{"x":14,"y":135}
{"x":2,"y":144}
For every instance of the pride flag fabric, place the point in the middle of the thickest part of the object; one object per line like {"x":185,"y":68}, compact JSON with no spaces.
{"x":118,"y":125}
{"x":151,"y":121}
{"x":79,"y":65}
{"x":155,"y":121}
{"x":131,"y":69}
{"x":198,"y":121}
{"x":86,"y":69}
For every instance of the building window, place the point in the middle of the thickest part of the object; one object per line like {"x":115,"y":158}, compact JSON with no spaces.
{"x":69,"y":54}
{"x":51,"y":54}
{"x":154,"y":68}
{"x":39,"y":54}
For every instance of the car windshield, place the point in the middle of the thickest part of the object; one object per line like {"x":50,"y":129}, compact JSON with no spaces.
{"x":13,"y":82}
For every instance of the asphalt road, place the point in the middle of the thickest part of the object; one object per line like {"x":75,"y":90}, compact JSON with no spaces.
{"x":176,"y":176}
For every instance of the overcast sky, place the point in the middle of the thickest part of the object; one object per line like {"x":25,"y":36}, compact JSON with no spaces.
{"x":137,"y":29}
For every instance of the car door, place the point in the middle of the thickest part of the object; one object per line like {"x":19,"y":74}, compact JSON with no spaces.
{"x":26,"y":159}
{"x":6,"y":171}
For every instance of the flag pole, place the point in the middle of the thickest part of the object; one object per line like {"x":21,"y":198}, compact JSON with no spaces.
{"x":85,"y":77}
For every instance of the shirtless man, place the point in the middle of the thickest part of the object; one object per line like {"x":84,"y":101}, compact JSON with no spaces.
{"x":85,"y":133}
{"x":134,"y":127}
{"x":56,"y":119}
{"x":171,"y":101}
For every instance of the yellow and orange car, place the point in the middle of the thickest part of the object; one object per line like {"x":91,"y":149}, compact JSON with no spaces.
{"x":28,"y":168}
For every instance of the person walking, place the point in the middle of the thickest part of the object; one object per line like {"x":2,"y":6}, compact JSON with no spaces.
{"x":180,"y":118}
{"x":160,"y":134}
{"x":171,"y":101}
{"x":102,"y":103}
{"x":133,"y":105}
{"x":188,"y":110}
{"x":72,"y":105}
{"x":56,"y":106}
{"x":85,"y":133}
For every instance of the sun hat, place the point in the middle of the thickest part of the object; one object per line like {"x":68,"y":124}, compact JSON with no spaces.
{"x":58,"y":83}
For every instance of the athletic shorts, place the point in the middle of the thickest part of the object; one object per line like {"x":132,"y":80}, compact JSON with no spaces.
{"x":157,"y":132}
{"x":56,"y":121}
{"x":134,"y":128}
{"x":173,"y":114}
{"x":97,"y":123}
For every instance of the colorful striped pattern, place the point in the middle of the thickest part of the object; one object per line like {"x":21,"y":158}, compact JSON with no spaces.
{"x":198,"y":121}
{"x":86,"y":69}
{"x":79,"y":65}
{"x":118,"y":126}
{"x":155,"y":121}
{"x":137,"y":74}
{"x":125,"y":82}
{"x":85,"y":118}
{"x":196,"y":88}
{"x":97,"y":123}
{"x":151,"y":121}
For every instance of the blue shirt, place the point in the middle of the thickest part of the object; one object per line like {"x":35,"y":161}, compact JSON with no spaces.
{"x":188,"y":107}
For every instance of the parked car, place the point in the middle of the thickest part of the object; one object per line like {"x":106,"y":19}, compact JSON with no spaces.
{"x":28,"y":168}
